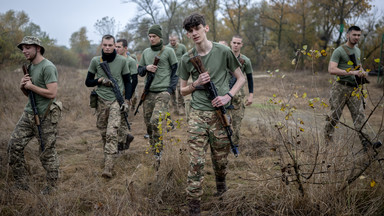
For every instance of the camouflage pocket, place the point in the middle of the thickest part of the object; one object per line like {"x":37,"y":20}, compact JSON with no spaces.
{"x":93,"y":99}
{"x":55,"y":111}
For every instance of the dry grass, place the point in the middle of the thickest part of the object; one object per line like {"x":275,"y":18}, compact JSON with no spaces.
{"x":255,"y":179}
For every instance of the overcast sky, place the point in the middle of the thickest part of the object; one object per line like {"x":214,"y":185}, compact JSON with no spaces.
{"x":61,"y":18}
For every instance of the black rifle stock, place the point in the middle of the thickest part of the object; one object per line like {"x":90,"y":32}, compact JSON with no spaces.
{"x":221,"y":111}
{"x":150,"y":78}
{"x":104,"y":65}
{"x":31,"y":96}
{"x":359,"y":80}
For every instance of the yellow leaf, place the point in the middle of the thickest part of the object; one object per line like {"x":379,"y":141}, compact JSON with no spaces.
{"x":368,"y":70}
{"x":282,"y":77}
{"x":323,"y":53}
{"x":293,"y":62}
{"x":304,"y":52}
{"x":350,"y":62}
{"x":304,"y":95}
{"x":309,"y":54}
{"x":274,"y":95}
{"x":373,"y":183}
{"x":324,"y":104}
{"x":305,"y":47}
{"x":277,"y":71}
{"x":318,"y":55}
{"x":337,"y":78}
{"x":295,"y":95}
{"x":377,"y":60}
{"x":301,"y":129}
{"x":330,"y":81}
{"x":348,"y":69}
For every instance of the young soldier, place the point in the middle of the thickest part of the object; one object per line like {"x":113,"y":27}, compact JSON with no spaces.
{"x":341,"y":92}
{"x":176,"y":99}
{"x":163,"y":85}
{"x":238,"y":100}
{"x":42,"y":83}
{"x":125,"y":139}
{"x":108,"y":109}
{"x":205,"y":127}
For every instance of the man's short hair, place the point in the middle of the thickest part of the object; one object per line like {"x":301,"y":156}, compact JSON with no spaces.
{"x":107,"y":37}
{"x":123,"y":41}
{"x":237,"y":36}
{"x":193,"y":21}
{"x":353,"y":28}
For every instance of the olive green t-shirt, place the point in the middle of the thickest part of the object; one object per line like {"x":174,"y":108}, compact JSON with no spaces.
{"x":341,"y":58}
{"x":179,"y":49}
{"x":132,"y":65}
{"x":218,"y":62}
{"x":118,"y":67}
{"x":163,"y":73}
{"x":42,"y":74}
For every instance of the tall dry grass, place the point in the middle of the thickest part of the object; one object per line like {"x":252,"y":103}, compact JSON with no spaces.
{"x":261,"y":181}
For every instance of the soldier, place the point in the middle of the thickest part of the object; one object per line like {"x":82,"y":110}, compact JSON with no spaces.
{"x":341,"y":92}
{"x":205,"y":127}
{"x":176,"y":99}
{"x":238,"y":100}
{"x":162,"y":86}
{"x":108,"y":109}
{"x":125,"y":139}
{"x":42,"y":83}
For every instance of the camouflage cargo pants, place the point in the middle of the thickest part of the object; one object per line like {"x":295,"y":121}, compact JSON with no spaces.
{"x":108,"y":122}
{"x":154,"y":105}
{"x":237,"y":114}
{"x":205,"y":131}
{"x":341,"y":95}
{"x":24,"y":131}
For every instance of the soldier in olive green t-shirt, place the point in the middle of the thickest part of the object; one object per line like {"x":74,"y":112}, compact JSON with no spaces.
{"x":205,"y":127}
{"x":41,"y":82}
{"x":163,"y":85}
{"x":342,"y":90}
{"x":177,"y":100}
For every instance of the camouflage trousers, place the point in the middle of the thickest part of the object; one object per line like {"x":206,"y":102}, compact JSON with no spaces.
{"x":341,"y":95}
{"x":24,"y":131}
{"x":177,"y":99}
{"x":154,"y":105}
{"x":237,"y":114}
{"x":108,"y":122}
{"x":205,"y":131}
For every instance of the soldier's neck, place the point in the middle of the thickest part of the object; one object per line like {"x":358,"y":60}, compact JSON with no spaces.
{"x":37,"y":59}
{"x":204,"y":47}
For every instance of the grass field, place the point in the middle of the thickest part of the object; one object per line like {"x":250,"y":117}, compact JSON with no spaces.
{"x":284,"y":167}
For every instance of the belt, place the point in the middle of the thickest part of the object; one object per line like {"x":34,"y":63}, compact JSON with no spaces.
{"x":342,"y":82}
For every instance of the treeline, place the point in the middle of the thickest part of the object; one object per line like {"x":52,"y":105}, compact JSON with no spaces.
{"x":272,"y":30}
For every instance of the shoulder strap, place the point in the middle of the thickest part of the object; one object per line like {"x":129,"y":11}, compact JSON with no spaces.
{"x":161,"y":51}
{"x":190,"y":52}
{"x":346,"y":49}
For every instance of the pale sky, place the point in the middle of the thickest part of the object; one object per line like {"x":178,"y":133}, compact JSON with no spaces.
{"x":61,"y":18}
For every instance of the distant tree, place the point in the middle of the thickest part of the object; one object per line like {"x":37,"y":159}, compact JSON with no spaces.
{"x":106,"y":26}
{"x":81,"y":45}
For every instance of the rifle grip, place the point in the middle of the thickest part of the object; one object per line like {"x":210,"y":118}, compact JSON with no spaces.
{"x":37,"y":120}
{"x":156,"y":61}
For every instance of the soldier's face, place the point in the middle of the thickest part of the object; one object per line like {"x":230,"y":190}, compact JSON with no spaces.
{"x":120,"y":49}
{"x":154,"y":39}
{"x":198,"y":33}
{"x":108,"y":45}
{"x":173,"y":41}
{"x":354,"y":36}
{"x":236,"y":44}
{"x":30,"y":51}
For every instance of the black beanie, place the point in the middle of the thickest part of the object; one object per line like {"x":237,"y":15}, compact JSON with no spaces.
{"x":155,"y":29}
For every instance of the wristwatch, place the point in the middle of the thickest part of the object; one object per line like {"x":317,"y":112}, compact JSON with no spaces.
{"x":230,"y":95}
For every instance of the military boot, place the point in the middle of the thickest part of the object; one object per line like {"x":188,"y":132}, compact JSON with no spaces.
{"x":220,"y":186}
{"x":51,"y":183}
{"x":194,"y":207}
{"x":108,"y":166}
{"x":125,"y":146}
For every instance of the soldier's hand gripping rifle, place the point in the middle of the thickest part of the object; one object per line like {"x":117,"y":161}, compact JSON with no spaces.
{"x":32,"y":100}
{"x":115,"y":86}
{"x":150,"y":77}
{"x":221,"y":111}
{"x":359,"y":80}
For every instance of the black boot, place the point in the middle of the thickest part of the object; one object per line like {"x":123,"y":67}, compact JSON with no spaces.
{"x":125,"y":146}
{"x":194,"y":207}
{"x":221,"y":186}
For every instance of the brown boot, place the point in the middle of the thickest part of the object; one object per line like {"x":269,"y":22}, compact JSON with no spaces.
{"x":221,"y":186}
{"x":194,"y":207}
{"x":108,"y":166}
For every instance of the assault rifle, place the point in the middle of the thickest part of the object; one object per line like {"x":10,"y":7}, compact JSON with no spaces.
{"x":32,"y":100}
{"x":221,"y":111}
{"x":150,"y":78}
{"x":104,"y":65}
